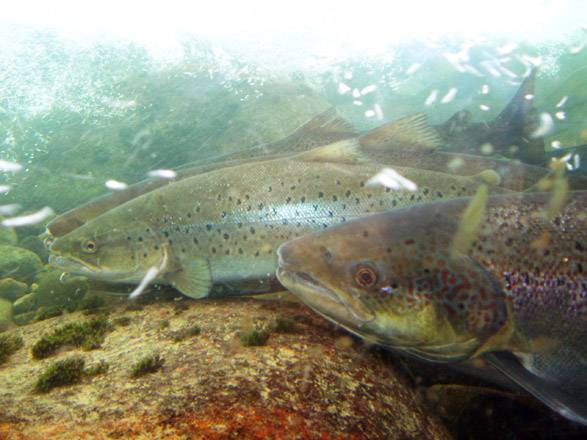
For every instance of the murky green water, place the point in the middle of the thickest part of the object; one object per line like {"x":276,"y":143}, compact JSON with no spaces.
{"x":84,"y":114}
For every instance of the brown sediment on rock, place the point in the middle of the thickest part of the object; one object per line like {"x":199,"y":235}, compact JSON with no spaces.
{"x":299,"y":385}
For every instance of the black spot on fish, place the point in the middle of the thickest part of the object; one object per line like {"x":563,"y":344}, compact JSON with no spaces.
{"x":189,"y":215}
{"x":288,"y":200}
{"x":293,"y":187}
{"x":303,"y":199}
{"x":579,"y":246}
{"x":209,"y":227}
{"x":129,"y":238}
{"x":218,"y":197}
{"x":227,"y":252}
{"x":252,"y":230}
{"x":439,"y":194}
{"x":394,"y":202}
{"x":425,"y":191}
{"x":195,"y":240}
{"x":238,"y":201}
{"x":240,"y":251}
{"x":247,"y":197}
{"x":509,"y":241}
{"x":140,"y":238}
{"x":365,"y":233}
{"x":166,"y":234}
{"x":213,"y":250}
{"x":320,"y":194}
{"x":579,"y":268}
{"x":357,"y":201}
{"x":226,"y":236}
{"x":257,"y":254}
{"x":361,"y":184}
{"x":145,"y":255}
{"x":348,"y":193}
{"x":334,"y":198}
{"x":338,"y":182}
{"x":156,"y":247}
{"x":197,"y":209}
{"x":412,"y":197}
{"x":239,"y":225}
{"x":170,"y":241}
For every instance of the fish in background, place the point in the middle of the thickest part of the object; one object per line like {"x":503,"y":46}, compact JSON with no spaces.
{"x":224,"y":226}
{"x":503,"y":278}
{"x":389,"y":144}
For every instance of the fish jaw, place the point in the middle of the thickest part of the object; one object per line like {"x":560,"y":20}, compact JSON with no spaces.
{"x":77,"y":267}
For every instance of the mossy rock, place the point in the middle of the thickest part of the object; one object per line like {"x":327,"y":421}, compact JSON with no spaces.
{"x":36,"y":245}
{"x":18,"y":263}
{"x":26,"y":303}
{"x":11,"y":289}
{"x":24,"y":318}
{"x":54,"y":289}
{"x":5,"y":314}
{"x":61,"y":373}
{"x":7,"y":235}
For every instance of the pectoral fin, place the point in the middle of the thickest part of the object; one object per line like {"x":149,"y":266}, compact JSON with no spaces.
{"x":552,"y":393}
{"x":193,"y":279}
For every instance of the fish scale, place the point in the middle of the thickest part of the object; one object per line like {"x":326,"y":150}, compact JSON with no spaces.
{"x":232,"y":220}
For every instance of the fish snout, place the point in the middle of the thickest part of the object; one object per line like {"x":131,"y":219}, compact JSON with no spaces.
{"x":286,"y":257}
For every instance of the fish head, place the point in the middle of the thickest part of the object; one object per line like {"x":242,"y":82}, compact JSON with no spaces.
{"x":384,"y":278}
{"x":102,"y":249}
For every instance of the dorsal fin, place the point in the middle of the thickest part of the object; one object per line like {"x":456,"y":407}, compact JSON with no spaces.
{"x":345,"y":151}
{"x":408,"y":133}
{"x":328,"y":121}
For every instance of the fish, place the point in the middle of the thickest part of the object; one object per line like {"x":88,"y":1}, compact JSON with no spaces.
{"x":322,"y":129}
{"x":494,"y":277}
{"x":390,"y":143}
{"x":224,"y":226}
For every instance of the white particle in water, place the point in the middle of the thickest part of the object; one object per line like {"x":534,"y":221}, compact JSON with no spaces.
{"x":348,"y":75}
{"x":562,"y":102}
{"x":413,"y":68}
{"x":484,"y":107}
{"x":556,"y":145}
{"x":147,"y":279}
{"x":343,"y":88}
{"x":369,"y":89}
{"x":485,"y":89}
{"x":115,"y":185}
{"x":356,"y":102}
{"x":6,"y":166}
{"x":356,"y":93}
{"x":486,"y":148}
{"x":529,"y":97}
{"x":546,"y":125}
{"x":390,"y":178}
{"x":560,"y":115}
{"x":4,"y":189}
{"x":369,"y":113}
{"x":431,"y":98}
{"x":378,"y":112}
{"x":450,"y":95}
{"x":163,"y":174}
{"x":31,"y":219}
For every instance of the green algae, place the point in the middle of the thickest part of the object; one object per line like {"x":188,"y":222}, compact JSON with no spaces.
{"x":254,"y":338}
{"x":148,"y":364}
{"x":122,"y":321}
{"x":88,"y":335}
{"x":284,"y":325}
{"x":186,"y":332}
{"x":8,"y":346}
{"x":61,"y":373}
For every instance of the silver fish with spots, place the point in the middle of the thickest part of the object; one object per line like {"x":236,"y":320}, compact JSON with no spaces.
{"x":224,"y":226}
{"x":513,"y":292}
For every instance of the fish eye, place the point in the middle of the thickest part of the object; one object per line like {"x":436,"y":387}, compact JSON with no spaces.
{"x":365,"y":276}
{"x":89,"y":246}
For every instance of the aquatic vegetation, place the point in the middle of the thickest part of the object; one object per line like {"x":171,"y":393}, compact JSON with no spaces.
{"x":48,"y":312}
{"x":180,"y":306}
{"x":36,"y":245}
{"x":5,"y":314}
{"x":186,"y":332}
{"x":122,"y":321}
{"x":88,"y":334}
{"x":163,"y":324}
{"x":284,"y":325}
{"x":61,"y":373}
{"x":101,"y":367}
{"x":92,"y":304}
{"x":9,"y":344}
{"x":254,"y":338}
{"x":146,"y":365}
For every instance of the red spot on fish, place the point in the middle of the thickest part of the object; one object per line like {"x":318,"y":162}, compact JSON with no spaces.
{"x":409,"y":241}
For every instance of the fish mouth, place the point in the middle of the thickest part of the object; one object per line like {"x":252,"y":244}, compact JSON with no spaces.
{"x":77,"y":267}
{"x":309,"y":283}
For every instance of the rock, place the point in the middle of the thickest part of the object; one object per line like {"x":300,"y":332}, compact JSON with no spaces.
{"x":11,"y":289}
{"x":299,"y":385}
{"x":36,"y":245}
{"x":55,"y":290}
{"x":7,"y":235}
{"x":5,"y":314}
{"x":26,"y":303}
{"x":24,"y":318}
{"x":18,"y":263}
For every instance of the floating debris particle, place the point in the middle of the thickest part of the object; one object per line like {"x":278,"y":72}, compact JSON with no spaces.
{"x":30,"y":219}
{"x":115,"y":185}
{"x":431,"y":98}
{"x":560,"y":115}
{"x":378,"y":112}
{"x":163,"y":174}
{"x":484,"y":107}
{"x":390,"y":178}
{"x":369,"y":113}
{"x":413,"y":68}
{"x":147,"y":279}
{"x":9,"y":167}
{"x":356,"y":93}
{"x":485,"y":89}
{"x":545,"y":126}
{"x":357,"y":103}
{"x":529,"y":97}
{"x":343,"y":88}
{"x":450,"y":95}
{"x":369,"y":89}
{"x":4,"y":189}
{"x":562,"y":102}
{"x":556,"y":145}
{"x":486,"y":148}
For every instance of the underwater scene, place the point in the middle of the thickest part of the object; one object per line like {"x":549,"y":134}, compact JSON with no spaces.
{"x":293,"y":221}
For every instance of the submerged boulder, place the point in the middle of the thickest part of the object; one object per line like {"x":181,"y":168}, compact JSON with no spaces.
{"x":7,"y":235}
{"x":11,"y":289}
{"x":18,"y":263}
{"x":303,"y":383}
{"x":5,"y":314}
